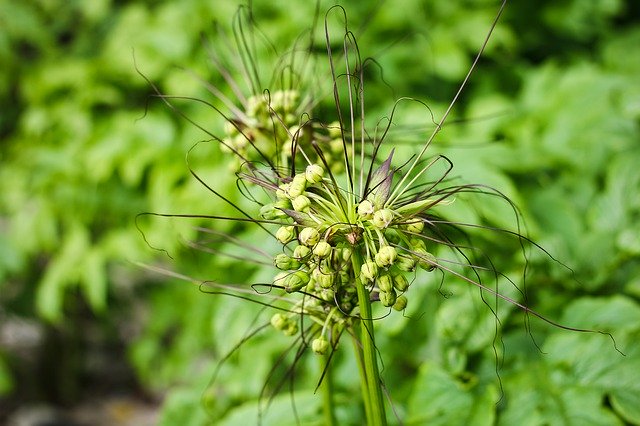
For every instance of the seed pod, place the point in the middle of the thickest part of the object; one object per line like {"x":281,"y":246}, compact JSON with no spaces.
{"x":365,"y":209}
{"x":400,"y":283}
{"x":369,"y":271}
{"x":382,"y":218}
{"x":415,"y":225}
{"x":285,"y":263}
{"x":300,"y":252}
{"x":386,"y":256}
{"x":309,"y":237}
{"x":387,"y":298}
{"x":385,"y":283}
{"x":296,"y":281}
{"x":301,"y":203}
{"x":297,"y":185}
{"x":401,"y":303}
{"x":320,"y":345}
{"x":322,"y":249}
{"x":314,"y":173}
{"x":284,"y":234}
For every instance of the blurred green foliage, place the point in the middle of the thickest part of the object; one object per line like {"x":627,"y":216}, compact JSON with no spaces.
{"x":551,"y":118}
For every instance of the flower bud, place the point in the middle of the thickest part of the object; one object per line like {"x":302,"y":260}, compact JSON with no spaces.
{"x":416,"y":244}
{"x":365,"y":209}
{"x":386,"y":256}
{"x":415,"y":225}
{"x":406,"y":263}
{"x":269,"y":212}
{"x":382,"y":218}
{"x":385,"y":283}
{"x":401,"y":303}
{"x":387,"y":298}
{"x":322,"y":249}
{"x":328,"y":295}
{"x":297,"y":186}
{"x":284,"y":234}
{"x":285,"y":263}
{"x":301,"y":203}
{"x":320,"y":345}
{"x":324,"y":279}
{"x":291,"y":328}
{"x":295,"y":281}
{"x":283,"y":191}
{"x":400,"y":283}
{"x":369,"y":271}
{"x":314,"y":173}
{"x":426,"y":260}
{"x":279,"y":321}
{"x":300,"y":252}
{"x":309,"y":237}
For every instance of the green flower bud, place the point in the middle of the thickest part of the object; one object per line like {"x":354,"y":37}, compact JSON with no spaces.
{"x":369,"y":271}
{"x":322,"y":249}
{"x":426,"y":260}
{"x":284,"y":234}
{"x":279,"y":321}
{"x":382,"y":218}
{"x":324,"y":279}
{"x":400,"y":283}
{"x":297,"y":185}
{"x":406,"y":263}
{"x":300,"y":252}
{"x":387,"y":298}
{"x":365,"y":209}
{"x":415,"y":225}
{"x":278,"y":279}
{"x":295,"y":281}
{"x":327,"y":294}
{"x":283,"y":191}
{"x":285,"y":263}
{"x":291,"y":329}
{"x":283,"y":203}
{"x":269,"y":212}
{"x":385,"y":283}
{"x":346,"y":254}
{"x":309,"y":237}
{"x":416,"y":244}
{"x":320,"y":345}
{"x":386,"y":256}
{"x":314,"y":173}
{"x":401,"y":303}
{"x":301,"y":203}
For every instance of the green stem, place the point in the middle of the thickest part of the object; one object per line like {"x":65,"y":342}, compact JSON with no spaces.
{"x":327,"y":394}
{"x":374,"y":390}
{"x":357,"y":347}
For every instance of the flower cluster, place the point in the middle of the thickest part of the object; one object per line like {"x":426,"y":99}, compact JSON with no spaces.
{"x":330,"y":240}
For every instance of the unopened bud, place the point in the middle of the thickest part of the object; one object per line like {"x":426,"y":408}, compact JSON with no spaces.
{"x":365,"y":209}
{"x":382,"y":218}
{"x":385,"y":283}
{"x":386,"y":256}
{"x":300,"y":252}
{"x":285,"y":263}
{"x":279,"y":321}
{"x":324,"y":279}
{"x":415,"y":225}
{"x":297,"y":185}
{"x":369,"y":271}
{"x":284,"y":234}
{"x":320,"y":345}
{"x":309,"y":237}
{"x":406,"y":263}
{"x":388,"y":298}
{"x":400,"y":283}
{"x":314,"y":173}
{"x":401,"y":303}
{"x":322,"y":249}
{"x":301,"y":203}
{"x":295,"y":281}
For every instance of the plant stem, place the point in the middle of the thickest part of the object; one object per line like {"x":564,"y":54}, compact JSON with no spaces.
{"x":376,"y":415}
{"x":327,"y":394}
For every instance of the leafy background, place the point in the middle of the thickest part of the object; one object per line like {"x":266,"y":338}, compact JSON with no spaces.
{"x":551,"y":118}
